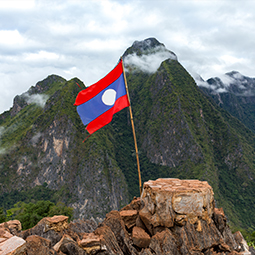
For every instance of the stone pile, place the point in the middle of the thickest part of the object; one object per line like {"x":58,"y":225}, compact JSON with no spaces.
{"x":172,"y":217}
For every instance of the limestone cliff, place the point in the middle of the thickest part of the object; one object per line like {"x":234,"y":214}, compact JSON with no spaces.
{"x":43,"y":146}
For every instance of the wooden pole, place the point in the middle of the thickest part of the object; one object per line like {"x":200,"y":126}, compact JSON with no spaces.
{"x":133,"y":128}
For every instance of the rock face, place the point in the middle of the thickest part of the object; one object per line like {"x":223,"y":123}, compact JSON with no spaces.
{"x":172,"y":201}
{"x":234,"y":93}
{"x":172,"y":217}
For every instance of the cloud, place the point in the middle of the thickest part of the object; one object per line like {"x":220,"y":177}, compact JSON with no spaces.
{"x":38,"y":99}
{"x":17,"y":4}
{"x":85,"y":39}
{"x":233,"y":82}
{"x":151,"y":62}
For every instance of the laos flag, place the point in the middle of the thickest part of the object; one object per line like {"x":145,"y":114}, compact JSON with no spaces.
{"x":97,"y":104}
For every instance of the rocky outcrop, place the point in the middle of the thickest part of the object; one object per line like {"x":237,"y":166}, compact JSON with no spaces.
{"x":172,"y":217}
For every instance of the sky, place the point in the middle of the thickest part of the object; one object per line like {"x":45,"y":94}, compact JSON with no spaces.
{"x":85,"y":38}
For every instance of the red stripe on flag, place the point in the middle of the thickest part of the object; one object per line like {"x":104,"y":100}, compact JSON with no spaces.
{"x":94,"y":89}
{"x":106,"y":117}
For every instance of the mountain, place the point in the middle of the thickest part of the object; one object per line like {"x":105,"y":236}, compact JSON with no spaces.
{"x":42,"y":145}
{"x":235,"y":93}
{"x":181,"y":133}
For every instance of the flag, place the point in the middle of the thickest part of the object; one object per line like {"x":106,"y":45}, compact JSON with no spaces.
{"x":97,"y":104}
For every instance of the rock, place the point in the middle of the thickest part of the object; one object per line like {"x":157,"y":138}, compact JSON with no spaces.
{"x":129,"y":217}
{"x":139,"y":223}
{"x":190,"y":238}
{"x":65,"y":239}
{"x":11,"y":245}
{"x":81,"y":226}
{"x":5,"y":234}
{"x":220,"y":219}
{"x":164,"y":243}
{"x":146,"y":252}
{"x":243,"y":246}
{"x":72,"y":249}
{"x":51,"y":228}
{"x":36,"y":245}
{"x":252,"y":250}
{"x":134,"y":205}
{"x":56,"y":223}
{"x":91,"y":243}
{"x":116,"y":224}
{"x":167,"y":201}
{"x":172,"y":217}
{"x":140,"y":238}
{"x":14,"y":226}
{"x":109,"y":243}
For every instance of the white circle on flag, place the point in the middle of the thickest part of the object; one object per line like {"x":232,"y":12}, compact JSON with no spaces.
{"x":109,"y":97}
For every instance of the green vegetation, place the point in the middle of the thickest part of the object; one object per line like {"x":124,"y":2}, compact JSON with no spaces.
{"x":29,"y":214}
{"x":172,"y":114}
{"x":40,"y":192}
{"x":241,"y":107}
{"x":2,"y":215}
{"x":181,"y":133}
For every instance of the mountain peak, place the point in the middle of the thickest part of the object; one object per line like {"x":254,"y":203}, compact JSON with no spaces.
{"x":147,"y":47}
{"x":147,"y":55}
{"x":234,"y":74}
{"x":147,"y":44}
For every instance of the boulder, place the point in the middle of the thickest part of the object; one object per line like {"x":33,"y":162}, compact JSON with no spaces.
{"x":80,"y":227}
{"x":5,"y":234}
{"x":12,"y":244}
{"x":65,"y":239}
{"x":14,"y":226}
{"x":134,"y":205}
{"x":109,"y":243}
{"x":116,"y":224}
{"x":90,"y":242}
{"x":51,"y":228}
{"x":71,"y":248}
{"x":56,"y":223}
{"x":164,"y":243}
{"x":169,"y":201}
{"x":140,"y":238}
{"x":129,"y":217}
{"x":36,"y":245}
{"x":242,"y":244}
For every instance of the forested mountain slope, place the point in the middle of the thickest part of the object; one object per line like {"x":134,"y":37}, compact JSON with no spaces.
{"x":181,"y":133}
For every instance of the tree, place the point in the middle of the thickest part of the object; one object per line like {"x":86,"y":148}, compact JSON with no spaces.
{"x":2,"y":215}
{"x":30,"y":214}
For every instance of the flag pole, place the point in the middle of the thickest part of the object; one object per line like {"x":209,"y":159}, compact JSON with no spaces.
{"x":133,"y":128}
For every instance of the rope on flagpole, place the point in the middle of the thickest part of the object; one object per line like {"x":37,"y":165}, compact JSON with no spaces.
{"x":78,"y":85}
{"x":133,"y":128}
{"x":86,"y":138}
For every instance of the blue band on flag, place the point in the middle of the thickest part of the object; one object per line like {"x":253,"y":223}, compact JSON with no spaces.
{"x":93,"y":108}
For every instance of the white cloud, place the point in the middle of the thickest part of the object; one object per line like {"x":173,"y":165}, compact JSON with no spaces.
{"x":38,"y":99}
{"x":17,"y":4}
{"x":151,"y":62}
{"x":41,"y":55}
{"x":11,"y":37}
{"x":84,"y":39}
